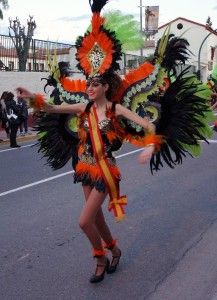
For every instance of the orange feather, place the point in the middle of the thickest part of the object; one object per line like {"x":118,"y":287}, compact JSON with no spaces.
{"x":73,"y":85}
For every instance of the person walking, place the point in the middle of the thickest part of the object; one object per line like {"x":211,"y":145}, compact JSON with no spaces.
{"x":23,"y":116}
{"x":13,"y":118}
{"x":3,"y":115}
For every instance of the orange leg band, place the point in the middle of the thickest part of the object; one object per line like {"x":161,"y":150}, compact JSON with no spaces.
{"x":111,"y":245}
{"x":98,"y":252}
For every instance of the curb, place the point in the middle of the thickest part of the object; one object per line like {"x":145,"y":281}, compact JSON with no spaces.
{"x":31,"y":137}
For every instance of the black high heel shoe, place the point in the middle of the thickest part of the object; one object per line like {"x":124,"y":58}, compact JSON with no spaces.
{"x":114,"y":263}
{"x":97,"y":278}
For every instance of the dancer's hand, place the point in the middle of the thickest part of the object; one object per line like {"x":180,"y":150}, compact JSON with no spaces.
{"x":146,"y":154}
{"x":29,"y":96}
{"x":151,"y":128}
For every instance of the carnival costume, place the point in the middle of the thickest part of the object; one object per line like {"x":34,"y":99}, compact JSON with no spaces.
{"x":177,"y":104}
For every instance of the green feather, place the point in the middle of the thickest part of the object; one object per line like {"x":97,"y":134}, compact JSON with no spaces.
{"x":214,"y":73}
{"x":40,"y":135}
{"x":126,"y":28}
{"x":163,"y":43}
{"x":210,"y":117}
{"x":194,"y":150}
{"x":203,"y":91}
{"x":73,"y":123}
{"x":51,"y":100}
{"x":206,"y":131}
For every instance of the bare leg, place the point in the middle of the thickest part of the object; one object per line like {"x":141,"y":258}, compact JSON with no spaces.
{"x":87,"y":221}
{"x":101,"y":225}
{"x":100,"y":222}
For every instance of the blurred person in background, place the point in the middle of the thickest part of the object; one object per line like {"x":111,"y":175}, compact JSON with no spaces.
{"x":23,"y":115}
{"x":13,"y":118}
{"x":3,"y":115}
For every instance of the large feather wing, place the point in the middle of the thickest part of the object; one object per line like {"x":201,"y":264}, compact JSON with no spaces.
{"x":179,"y":107}
{"x":57,"y":133}
{"x":184,"y":121}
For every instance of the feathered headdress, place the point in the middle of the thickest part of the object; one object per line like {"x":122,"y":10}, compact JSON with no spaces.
{"x":98,"y":51}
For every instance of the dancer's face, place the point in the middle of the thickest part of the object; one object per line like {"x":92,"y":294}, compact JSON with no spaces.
{"x":96,"y":89}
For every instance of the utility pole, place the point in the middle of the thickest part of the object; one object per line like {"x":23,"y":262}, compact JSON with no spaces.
{"x":141,"y":29}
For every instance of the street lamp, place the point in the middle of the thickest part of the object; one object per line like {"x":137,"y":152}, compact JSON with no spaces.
{"x":141,"y":6}
{"x":211,"y":31}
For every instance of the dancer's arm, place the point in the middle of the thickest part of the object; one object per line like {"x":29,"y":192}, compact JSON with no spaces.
{"x":146,"y":154}
{"x":50,"y":108}
{"x":128,"y":114}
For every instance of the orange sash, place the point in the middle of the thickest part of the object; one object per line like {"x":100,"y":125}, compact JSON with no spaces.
{"x":116,"y":202}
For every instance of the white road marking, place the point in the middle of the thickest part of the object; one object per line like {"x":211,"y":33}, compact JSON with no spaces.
{"x":210,"y":141}
{"x":55,"y":177}
{"x":68,"y":173}
{"x":12,"y":149}
{"x":35,"y":183}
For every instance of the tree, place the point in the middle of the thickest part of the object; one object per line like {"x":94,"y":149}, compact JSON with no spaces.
{"x":21,"y":39}
{"x":4,"y":4}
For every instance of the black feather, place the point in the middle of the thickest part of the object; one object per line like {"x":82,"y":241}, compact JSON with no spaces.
{"x":55,"y":143}
{"x":179,"y":124}
{"x":97,"y":5}
{"x":176,"y":53}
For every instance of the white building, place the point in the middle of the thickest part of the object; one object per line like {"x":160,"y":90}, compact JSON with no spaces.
{"x":203,"y":43}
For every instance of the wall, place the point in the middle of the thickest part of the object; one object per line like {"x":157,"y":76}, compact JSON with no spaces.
{"x":30,"y":80}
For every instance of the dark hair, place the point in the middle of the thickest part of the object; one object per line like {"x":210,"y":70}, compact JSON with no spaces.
{"x":9,"y":96}
{"x":64,"y":68}
{"x":4,"y":95}
{"x":114,"y":82}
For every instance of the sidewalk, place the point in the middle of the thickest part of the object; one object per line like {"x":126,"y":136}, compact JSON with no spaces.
{"x":195,"y":276}
{"x":28,"y":137}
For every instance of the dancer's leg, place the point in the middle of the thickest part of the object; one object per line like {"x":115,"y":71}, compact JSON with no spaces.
{"x":100,"y":222}
{"x":87,"y":222}
{"x":101,"y":226}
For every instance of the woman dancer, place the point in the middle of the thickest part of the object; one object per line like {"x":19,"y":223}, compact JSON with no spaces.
{"x":88,"y":170}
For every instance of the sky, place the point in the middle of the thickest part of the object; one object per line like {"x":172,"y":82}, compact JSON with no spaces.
{"x":63,"y":21}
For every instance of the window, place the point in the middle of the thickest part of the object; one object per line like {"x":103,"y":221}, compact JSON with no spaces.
{"x":11,"y":65}
{"x":42,"y":67}
{"x":180,"y":26}
{"x":36,"y":67}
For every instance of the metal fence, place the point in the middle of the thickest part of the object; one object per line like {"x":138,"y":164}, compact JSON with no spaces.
{"x":37,"y":55}
{"x":39,"y":51}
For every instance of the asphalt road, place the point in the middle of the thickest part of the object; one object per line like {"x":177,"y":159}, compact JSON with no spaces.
{"x":44,"y":254}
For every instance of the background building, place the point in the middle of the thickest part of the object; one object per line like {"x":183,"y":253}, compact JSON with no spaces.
{"x":203,"y":43}
{"x":202,"y":40}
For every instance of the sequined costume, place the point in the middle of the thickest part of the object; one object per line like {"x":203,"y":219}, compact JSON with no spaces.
{"x":87,"y":170}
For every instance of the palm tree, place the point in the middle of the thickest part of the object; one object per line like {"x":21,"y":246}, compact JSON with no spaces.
{"x":4,"y":4}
